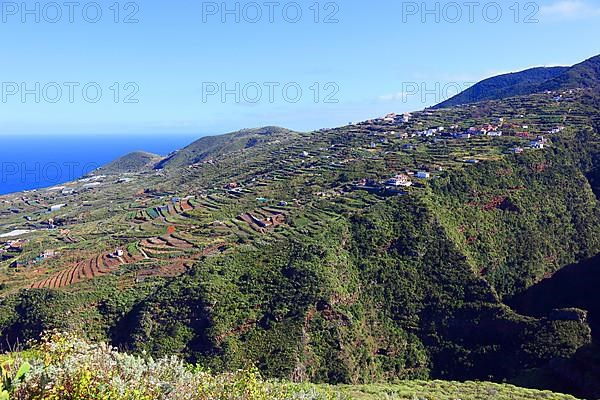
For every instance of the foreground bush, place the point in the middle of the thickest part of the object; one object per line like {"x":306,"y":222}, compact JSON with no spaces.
{"x":63,"y":367}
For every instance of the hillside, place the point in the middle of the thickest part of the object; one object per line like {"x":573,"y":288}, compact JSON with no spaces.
{"x":138,"y":161}
{"x":582,"y":75}
{"x":504,"y":86}
{"x":573,"y":287}
{"x":535,"y":80}
{"x":213,"y":146}
{"x":377,"y":252}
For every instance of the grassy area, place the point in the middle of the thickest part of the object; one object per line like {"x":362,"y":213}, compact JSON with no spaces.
{"x":444,"y":390}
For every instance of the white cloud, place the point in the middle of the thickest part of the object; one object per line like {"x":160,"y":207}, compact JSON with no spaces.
{"x":569,"y":10}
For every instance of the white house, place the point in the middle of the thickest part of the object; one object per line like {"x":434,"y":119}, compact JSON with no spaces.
{"x":48,"y":254}
{"x":56,"y":207}
{"x":389,"y":118}
{"x":399,"y":180}
{"x":557,"y":130}
{"x":423,"y":175}
{"x":537,"y":144}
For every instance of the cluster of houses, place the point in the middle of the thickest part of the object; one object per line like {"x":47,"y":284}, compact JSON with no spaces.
{"x":486,"y":130}
{"x":65,"y":191}
{"x":389,"y":119}
{"x":394,"y":118}
{"x":538,"y":144}
{"x":431,"y":132}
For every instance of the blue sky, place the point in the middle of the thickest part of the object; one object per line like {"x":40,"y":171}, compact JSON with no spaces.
{"x":367,"y":60}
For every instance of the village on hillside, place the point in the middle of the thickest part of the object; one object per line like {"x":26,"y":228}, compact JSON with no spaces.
{"x":158,"y":223}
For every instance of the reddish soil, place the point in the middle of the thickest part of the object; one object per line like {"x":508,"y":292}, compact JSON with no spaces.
{"x":186,"y":206}
{"x":87,"y":269}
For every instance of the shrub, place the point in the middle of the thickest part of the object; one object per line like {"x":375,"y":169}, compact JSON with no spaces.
{"x":64,"y":367}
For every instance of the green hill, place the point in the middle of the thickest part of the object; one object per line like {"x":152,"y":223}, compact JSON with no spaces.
{"x":503,"y":86}
{"x":535,"y":80}
{"x":213,"y":146}
{"x":137,"y":161}
{"x":582,"y":75}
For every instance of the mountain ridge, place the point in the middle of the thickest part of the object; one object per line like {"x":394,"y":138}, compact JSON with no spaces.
{"x":136,"y":161}
{"x":213,"y":146}
{"x":534,"y":80}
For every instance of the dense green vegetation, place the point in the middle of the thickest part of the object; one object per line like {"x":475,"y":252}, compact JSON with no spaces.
{"x":388,"y":278}
{"x":521,"y":219}
{"x":534,"y":80}
{"x":503,"y":86}
{"x":65,"y":367}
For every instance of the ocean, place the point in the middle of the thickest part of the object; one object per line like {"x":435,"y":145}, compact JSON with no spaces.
{"x":37,"y":161}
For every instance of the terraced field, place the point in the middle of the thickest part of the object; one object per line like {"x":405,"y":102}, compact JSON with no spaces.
{"x":90,"y":268}
{"x":174,"y":252}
